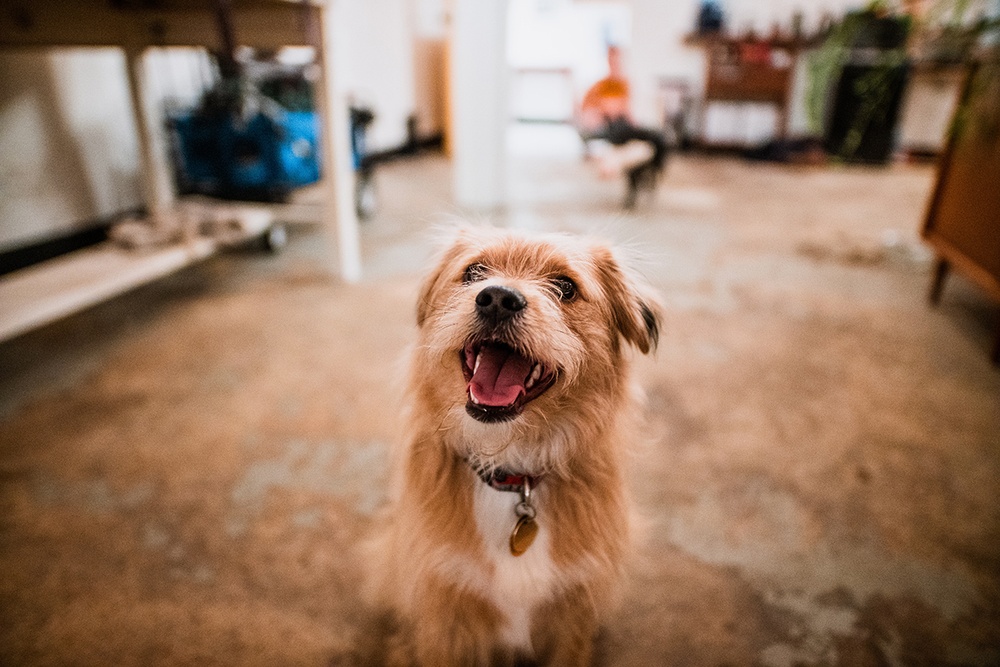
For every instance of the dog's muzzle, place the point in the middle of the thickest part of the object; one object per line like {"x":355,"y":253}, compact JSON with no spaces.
{"x":500,"y":378}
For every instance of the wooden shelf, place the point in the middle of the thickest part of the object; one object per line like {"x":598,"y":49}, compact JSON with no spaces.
{"x":749,"y":70}
{"x":136,"y":24}
{"x":35,"y":296}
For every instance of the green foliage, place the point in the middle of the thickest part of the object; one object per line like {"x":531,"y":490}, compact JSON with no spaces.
{"x":824,"y":67}
{"x":949,"y":32}
{"x":874,"y":89}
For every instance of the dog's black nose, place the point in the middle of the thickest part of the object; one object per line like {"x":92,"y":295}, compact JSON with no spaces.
{"x":496,"y":303}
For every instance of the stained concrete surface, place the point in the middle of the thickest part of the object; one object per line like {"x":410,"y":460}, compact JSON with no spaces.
{"x":186,"y":471}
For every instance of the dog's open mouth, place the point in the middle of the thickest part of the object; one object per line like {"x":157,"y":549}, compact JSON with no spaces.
{"x":501,"y":381}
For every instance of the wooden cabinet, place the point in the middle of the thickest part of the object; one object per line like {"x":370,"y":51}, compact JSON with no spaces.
{"x":748,"y":70}
{"x":963,"y":219}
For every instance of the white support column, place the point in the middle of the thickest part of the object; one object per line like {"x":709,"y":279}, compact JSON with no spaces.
{"x":157,"y":180}
{"x":479,"y":102}
{"x":339,"y":214}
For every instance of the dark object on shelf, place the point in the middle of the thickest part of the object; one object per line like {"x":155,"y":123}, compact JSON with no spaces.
{"x":869,"y":91}
{"x":710,"y":17}
{"x":962,"y":224}
{"x":866,"y":109}
{"x":880,"y":32}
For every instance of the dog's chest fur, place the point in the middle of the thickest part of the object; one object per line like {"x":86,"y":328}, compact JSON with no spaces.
{"x":516,"y":584}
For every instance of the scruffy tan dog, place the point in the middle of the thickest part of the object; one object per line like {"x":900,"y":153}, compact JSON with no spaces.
{"x":510,"y":518}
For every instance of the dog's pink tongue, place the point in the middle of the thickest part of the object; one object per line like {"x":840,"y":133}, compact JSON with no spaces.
{"x":499,"y":380}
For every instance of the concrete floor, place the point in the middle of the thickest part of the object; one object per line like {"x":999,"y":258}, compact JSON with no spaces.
{"x":186,"y":471}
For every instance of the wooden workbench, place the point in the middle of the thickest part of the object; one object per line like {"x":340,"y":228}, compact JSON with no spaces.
{"x":136,"y":26}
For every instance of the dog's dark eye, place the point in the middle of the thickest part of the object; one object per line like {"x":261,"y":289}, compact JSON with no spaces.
{"x":474,"y":273}
{"x":566,"y":288}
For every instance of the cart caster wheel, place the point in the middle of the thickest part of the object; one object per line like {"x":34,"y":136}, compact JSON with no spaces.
{"x":275,"y":238}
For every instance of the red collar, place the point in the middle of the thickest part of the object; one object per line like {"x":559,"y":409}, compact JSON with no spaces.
{"x":502,"y":479}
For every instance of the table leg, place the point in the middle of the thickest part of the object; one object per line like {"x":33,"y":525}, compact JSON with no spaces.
{"x":937,"y":282}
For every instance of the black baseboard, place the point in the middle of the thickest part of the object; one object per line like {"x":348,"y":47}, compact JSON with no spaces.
{"x":412,"y":147}
{"x":60,"y":244}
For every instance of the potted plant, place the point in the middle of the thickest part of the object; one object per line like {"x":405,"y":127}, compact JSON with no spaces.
{"x":858,"y":75}
{"x":856,"y":84}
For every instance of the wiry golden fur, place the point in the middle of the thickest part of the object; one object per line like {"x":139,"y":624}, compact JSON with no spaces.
{"x":460,"y":596}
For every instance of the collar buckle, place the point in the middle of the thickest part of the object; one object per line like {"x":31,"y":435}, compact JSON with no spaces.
{"x":502,"y":479}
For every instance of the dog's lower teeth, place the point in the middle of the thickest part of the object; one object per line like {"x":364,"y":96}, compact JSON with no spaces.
{"x":536,"y":373}
{"x":476,"y":367}
{"x":530,"y":383}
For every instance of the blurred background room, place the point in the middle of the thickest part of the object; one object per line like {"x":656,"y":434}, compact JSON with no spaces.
{"x":214,"y":215}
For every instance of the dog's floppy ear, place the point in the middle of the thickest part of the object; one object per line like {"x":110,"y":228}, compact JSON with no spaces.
{"x":438,"y":275}
{"x":635,"y":311}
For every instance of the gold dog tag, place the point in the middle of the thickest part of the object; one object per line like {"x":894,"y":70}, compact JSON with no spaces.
{"x":524,"y":533}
